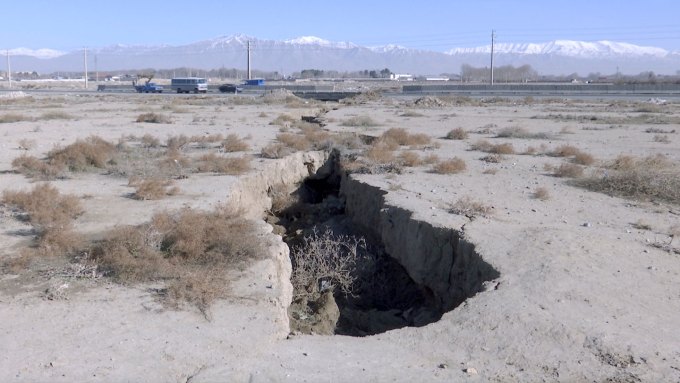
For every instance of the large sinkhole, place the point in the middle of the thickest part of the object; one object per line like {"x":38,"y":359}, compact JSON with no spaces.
{"x":393,"y":271}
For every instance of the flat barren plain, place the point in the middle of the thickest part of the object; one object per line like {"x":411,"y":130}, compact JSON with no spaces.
{"x":143,"y":238}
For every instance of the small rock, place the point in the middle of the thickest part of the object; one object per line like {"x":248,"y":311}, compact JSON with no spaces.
{"x":587,"y":224}
{"x":443,"y":366}
{"x":471,"y":371}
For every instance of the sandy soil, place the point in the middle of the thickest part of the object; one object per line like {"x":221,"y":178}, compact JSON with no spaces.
{"x":583,"y":295}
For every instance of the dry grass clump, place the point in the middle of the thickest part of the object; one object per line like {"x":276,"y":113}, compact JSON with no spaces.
{"x":488,"y":147}
{"x":152,"y":188}
{"x":568,"y":170}
{"x":174,"y":143}
{"x":647,"y":178}
{"x":282,"y":120}
{"x":430,"y":159}
{"x":275,"y":150}
{"x":294,"y":141}
{"x":411,"y":113}
{"x":51,"y":215}
{"x":13,"y":117}
{"x":662,"y":138}
{"x":402,"y":137}
{"x":154,"y":118}
{"x":33,"y":167}
{"x":193,"y":252}
{"x":565,"y":151}
{"x":233,"y":143}
{"x":519,"y":132}
{"x":26,"y":144}
{"x":583,"y":158}
{"x":381,"y":152}
{"x":360,"y":121}
{"x":409,"y":158}
{"x":81,"y":155}
{"x":451,"y":166}
{"x":457,"y":134}
{"x":149,"y":141}
{"x":214,"y":163}
{"x":470,"y":208}
{"x":55,"y":115}
{"x":542,"y":193}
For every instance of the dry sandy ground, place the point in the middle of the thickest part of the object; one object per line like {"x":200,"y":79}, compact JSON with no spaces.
{"x":583,"y":295}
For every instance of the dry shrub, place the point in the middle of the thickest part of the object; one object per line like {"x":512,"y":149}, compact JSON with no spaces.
{"x":282,"y":197}
{"x":402,"y":137}
{"x":233,"y":143}
{"x":294,"y":141}
{"x":410,"y":159}
{"x":317,"y":138}
{"x":470,"y":208}
{"x":450,"y":166}
{"x":177,"y":142}
{"x":325,"y":262}
{"x":565,"y":151}
{"x":492,"y":158}
{"x":153,"y":118}
{"x":149,"y":141}
{"x":224,"y":165}
{"x":282,"y":120}
{"x":81,"y":155}
{"x":51,"y":215}
{"x":33,"y":167}
{"x":192,"y":251}
{"x":13,"y":117}
{"x":490,"y":171}
{"x":583,"y":158}
{"x":26,"y":144}
{"x":411,"y":113}
{"x":359,"y":121}
{"x":55,"y":115}
{"x":662,"y":138}
{"x":204,"y":141}
{"x":380,"y":152}
{"x":542,"y":193}
{"x":519,"y":132}
{"x":568,"y":170}
{"x":530,"y":151}
{"x":482,"y":146}
{"x":647,"y":178}
{"x":457,"y":134}
{"x":275,"y":150}
{"x":152,"y":188}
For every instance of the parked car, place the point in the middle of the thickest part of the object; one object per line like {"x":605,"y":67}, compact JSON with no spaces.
{"x":230,"y":88}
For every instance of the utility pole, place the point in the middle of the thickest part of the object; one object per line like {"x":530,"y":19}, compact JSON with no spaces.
{"x":249,"y":60}
{"x":96,"y":71}
{"x":9,"y":71}
{"x":85,"y":62}
{"x":493,"y":38}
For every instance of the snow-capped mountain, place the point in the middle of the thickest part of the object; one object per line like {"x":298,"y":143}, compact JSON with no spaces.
{"x":310,"y":52}
{"x":568,"y":48}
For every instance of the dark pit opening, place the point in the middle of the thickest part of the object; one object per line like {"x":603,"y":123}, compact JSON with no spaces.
{"x":384,"y":297}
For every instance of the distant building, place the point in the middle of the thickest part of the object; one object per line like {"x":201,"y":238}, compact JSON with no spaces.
{"x":401,"y":77}
{"x":437,"y":79}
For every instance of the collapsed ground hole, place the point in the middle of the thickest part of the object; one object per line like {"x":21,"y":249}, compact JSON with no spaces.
{"x":384,"y":296}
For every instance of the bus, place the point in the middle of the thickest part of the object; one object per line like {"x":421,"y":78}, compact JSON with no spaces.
{"x":189,"y":84}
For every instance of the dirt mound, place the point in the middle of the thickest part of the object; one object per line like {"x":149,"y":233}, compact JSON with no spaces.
{"x":280,"y":96}
{"x":430,"y":102}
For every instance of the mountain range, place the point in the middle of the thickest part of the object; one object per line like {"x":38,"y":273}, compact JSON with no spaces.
{"x":309,"y":52}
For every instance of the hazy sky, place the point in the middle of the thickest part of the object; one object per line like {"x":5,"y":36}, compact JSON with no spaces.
{"x":434,"y":25}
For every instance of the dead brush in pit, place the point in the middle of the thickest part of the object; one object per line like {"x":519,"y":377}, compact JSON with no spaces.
{"x":51,"y":215}
{"x":213,"y":163}
{"x":194,"y":253}
{"x":647,"y":178}
{"x":470,"y":208}
{"x":360,"y":122}
{"x":451,"y":166}
{"x":325,"y":262}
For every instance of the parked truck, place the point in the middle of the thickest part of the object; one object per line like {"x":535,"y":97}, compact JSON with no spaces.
{"x":149,"y":87}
